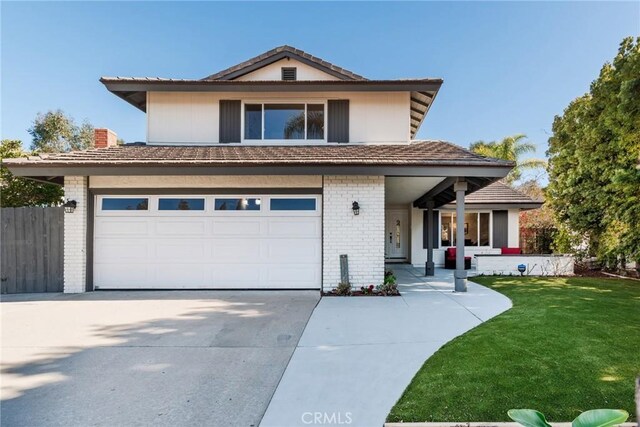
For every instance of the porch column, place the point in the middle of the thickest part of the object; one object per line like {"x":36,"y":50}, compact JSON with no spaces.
{"x":460,"y":274}
{"x":430,"y":268}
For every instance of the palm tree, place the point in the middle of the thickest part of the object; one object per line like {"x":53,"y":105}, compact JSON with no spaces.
{"x":510,"y":148}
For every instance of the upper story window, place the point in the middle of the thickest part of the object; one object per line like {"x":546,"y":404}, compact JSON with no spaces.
{"x":295,"y":121}
{"x":289,"y":73}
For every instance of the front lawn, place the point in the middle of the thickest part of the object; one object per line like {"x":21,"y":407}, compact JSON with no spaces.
{"x":566,"y":346}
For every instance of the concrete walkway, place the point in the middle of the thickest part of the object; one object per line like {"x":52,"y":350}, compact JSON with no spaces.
{"x":357,"y":355}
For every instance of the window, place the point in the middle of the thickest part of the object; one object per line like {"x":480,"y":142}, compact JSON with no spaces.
{"x":476,"y":229}
{"x":181,"y":204}
{"x":296,"y":121}
{"x":125,"y":204}
{"x":289,"y":73}
{"x":237,"y":204}
{"x":293,"y":204}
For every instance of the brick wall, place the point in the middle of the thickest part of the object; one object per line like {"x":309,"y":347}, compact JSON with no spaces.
{"x":361,"y":237}
{"x":75,"y":235}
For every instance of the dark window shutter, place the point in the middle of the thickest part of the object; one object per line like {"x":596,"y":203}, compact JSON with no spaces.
{"x":436,"y":229}
{"x":500,"y":229}
{"x":338,"y":120}
{"x":229,"y":121}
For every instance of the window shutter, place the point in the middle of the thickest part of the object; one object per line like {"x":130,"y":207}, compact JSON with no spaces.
{"x":229,"y":121}
{"x":338,"y":120}
{"x":436,"y":229}
{"x":500,"y":229}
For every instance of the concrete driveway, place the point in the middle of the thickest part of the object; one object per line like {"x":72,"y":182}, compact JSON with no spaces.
{"x":147,"y":358}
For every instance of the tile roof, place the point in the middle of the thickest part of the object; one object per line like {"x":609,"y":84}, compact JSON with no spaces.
{"x":498,"y":192}
{"x":346,"y":74}
{"x":416,"y":153}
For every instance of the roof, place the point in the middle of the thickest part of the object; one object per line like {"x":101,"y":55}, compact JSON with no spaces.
{"x":277,"y":54}
{"x":416,"y":153}
{"x":499,"y":193}
{"x":422,"y":90}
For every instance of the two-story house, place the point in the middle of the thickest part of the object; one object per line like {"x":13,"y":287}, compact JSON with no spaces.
{"x":262,"y":175}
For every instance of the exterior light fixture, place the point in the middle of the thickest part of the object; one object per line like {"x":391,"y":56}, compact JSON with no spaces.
{"x":522,"y":268}
{"x":70,"y":206}
{"x":356,"y":208}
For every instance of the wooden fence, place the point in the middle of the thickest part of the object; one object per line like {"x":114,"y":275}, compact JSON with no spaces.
{"x":31,"y":249}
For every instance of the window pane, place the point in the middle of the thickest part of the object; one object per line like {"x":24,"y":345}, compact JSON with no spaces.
{"x":446,"y":234}
{"x":284,"y":121}
{"x":137,"y":204}
{"x":253,"y":121}
{"x":181,"y":204}
{"x":237,"y":204}
{"x":471,"y":229}
{"x":484,"y":229}
{"x":315,"y":121}
{"x":293,"y":204}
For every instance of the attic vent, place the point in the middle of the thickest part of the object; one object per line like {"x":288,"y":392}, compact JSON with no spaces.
{"x":289,"y":73}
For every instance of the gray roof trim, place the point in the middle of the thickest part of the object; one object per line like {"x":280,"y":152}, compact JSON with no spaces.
{"x":498,"y":206}
{"x":278,"y":54}
{"x":33,"y":171}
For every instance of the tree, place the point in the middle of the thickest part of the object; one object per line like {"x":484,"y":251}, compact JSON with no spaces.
{"x":594,"y":159}
{"x":17,"y":191}
{"x":537,"y":226}
{"x":510,"y":148}
{"x":54,"y":132}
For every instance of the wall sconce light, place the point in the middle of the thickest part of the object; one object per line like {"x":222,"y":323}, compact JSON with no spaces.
{"x":356,"y":208}
{"x":70,"y":206}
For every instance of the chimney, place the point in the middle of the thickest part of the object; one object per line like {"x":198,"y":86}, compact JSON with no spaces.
{"x":105,"y":138}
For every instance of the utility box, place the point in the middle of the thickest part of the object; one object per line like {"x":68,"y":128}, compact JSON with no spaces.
{"x":344,"y":269}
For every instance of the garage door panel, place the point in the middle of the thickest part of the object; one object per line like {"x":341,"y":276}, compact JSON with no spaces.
{"x":236,"y":250}
{"x":181,"y":227}
{"x":122,"y":275}
{"x":107,"y":226}
{"x":183,"y":275}
{"x":119,"y":250}
{"x":232,"y":276}
{"x":294,"y":276}
{"x":237,"y":227}
{"x":305,"y":227}
{"x":181,"y":250}
{"x":293,"y":250}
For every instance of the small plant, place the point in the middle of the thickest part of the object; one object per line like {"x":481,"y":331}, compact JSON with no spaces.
{"x":389,"y":278}
{"x":367,"y":290}
{"x":593,"y":418}
{"x":343,"y":289}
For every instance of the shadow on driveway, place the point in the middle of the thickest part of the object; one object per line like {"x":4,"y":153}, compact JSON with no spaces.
{"x":147,"y":358}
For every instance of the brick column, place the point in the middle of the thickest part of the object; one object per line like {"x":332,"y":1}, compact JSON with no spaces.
{"x":75,"y":235}
{"x":361,"y":237}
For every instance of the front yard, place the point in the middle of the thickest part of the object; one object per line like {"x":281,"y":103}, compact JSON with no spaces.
{"x":566,"y":346}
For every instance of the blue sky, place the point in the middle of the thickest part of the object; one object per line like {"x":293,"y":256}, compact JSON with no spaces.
{"x":508,"y":67}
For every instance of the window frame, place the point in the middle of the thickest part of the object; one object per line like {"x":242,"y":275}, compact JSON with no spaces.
{"x":477,"y":213}
{"x":262,"y":102}
{"x":114,"y":212}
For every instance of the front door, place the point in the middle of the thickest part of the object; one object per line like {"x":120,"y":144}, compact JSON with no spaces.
{"x":397,"y":233}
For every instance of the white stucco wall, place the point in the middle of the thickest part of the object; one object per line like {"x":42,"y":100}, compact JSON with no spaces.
{"x":273,"y":72}
{"x":513,"y":236}
{"x":75,"y":235}
{"x":192,"y":117}
{"x":361,"y":237}
{"x":537,"y":265}
{"x":207,"y":181}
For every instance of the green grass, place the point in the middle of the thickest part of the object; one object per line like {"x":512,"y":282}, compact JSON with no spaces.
{"x":568,"y":345}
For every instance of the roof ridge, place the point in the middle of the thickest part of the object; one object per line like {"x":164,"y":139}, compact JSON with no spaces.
{"x":279,"y":49}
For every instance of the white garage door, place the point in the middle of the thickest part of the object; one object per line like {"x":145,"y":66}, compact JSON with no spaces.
{"x":216,"y":242}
